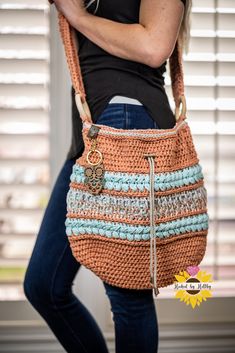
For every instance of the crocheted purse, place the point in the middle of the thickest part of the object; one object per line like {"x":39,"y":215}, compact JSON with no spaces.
{"x":137,"y":204}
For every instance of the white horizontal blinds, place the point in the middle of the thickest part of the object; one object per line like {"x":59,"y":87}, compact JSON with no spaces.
{"x":209,"y":69}
{"x":24,"y":129}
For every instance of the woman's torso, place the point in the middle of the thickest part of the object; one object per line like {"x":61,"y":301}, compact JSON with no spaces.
{"x":105,"y":75}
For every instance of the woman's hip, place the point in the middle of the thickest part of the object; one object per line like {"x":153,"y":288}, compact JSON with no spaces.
{"x":126,"y":116}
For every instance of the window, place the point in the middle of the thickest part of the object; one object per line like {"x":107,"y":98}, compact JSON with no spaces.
{"x":24,"y":131}
{"x":209,"y":70}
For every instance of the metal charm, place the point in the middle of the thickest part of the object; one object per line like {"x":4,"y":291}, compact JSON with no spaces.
{"x":94,"y":178}
{"x":94,"y":171}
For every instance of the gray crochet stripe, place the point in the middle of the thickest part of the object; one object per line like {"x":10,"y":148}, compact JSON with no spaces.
{"x":135,"y":132}
{"x":136,"y":208}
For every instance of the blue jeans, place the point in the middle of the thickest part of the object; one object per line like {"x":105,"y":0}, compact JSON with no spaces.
{"x":52,"y":269}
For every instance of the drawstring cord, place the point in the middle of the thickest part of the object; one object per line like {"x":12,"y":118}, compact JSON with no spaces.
{"x":153,"y":252}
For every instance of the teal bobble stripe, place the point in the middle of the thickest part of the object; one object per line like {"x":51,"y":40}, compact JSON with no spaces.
{"x":138,"y":182}
{"x":124,"y":231}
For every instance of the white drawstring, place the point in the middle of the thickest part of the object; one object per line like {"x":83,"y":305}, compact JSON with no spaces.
{"x":153,"y":252}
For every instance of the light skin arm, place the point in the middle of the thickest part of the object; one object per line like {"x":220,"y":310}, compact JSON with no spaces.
{"x":151,"y":41}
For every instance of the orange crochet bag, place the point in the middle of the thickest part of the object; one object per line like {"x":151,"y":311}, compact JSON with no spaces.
{"x":137,"y":204}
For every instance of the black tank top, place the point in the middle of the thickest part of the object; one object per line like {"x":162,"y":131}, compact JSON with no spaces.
{"x":105,"y":75}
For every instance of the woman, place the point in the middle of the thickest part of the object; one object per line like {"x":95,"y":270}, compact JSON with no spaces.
{"x":123,"y":48}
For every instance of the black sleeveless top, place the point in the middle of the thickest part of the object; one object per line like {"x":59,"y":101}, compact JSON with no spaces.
{"x":105,"y":75}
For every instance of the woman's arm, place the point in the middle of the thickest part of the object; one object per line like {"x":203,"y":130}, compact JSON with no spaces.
{"x":151,"y":41}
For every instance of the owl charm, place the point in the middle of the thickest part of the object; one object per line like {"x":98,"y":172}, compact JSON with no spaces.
{"x":94,"y":178}
{"x":94,"y":171}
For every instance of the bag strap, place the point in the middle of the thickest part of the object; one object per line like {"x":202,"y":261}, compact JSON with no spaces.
{"x":71,"y":46}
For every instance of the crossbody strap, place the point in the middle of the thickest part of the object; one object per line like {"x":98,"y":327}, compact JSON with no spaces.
{"x":71,"y":45}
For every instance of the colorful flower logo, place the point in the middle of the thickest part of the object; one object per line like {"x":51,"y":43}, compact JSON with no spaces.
{"x":193,"y":286}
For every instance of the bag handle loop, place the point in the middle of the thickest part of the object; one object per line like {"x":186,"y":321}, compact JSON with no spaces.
{"x":71,"y":46}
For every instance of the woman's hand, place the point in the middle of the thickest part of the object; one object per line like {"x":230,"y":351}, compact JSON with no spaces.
{"x":73,"y":10}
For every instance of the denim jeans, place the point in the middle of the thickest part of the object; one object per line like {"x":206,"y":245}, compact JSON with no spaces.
{"x":52,"y":269}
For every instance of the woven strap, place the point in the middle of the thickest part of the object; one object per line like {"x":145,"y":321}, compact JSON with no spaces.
{"x":71,"y":44}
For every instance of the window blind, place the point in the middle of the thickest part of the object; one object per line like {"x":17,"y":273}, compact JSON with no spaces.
{"x":24,"y":131}
{"x":209,"y":69}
